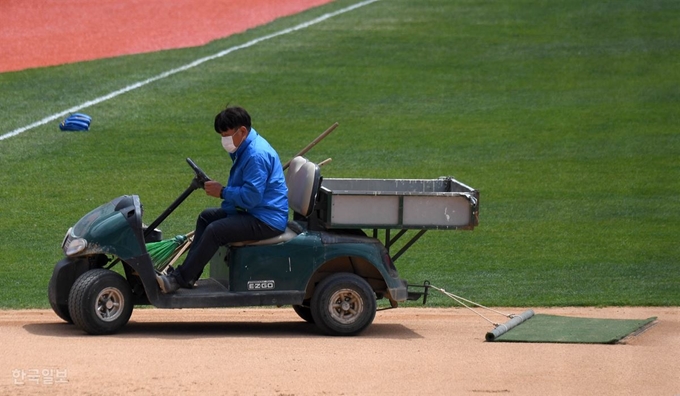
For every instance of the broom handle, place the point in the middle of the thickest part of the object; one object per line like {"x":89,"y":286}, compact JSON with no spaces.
{"x":186,"y":245}
{"x":312,"y":144}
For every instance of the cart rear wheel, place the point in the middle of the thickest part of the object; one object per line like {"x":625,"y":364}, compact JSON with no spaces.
{"x":100,"y":302}
{"x":343,"y":304}
{"x":304,"y":312}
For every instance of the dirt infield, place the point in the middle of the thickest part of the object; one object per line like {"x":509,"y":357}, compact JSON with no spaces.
{"x":36,"y":33}
{"x":272,"y":352}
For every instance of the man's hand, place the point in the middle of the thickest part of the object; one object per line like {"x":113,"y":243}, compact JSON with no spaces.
{"x":213,"y":188}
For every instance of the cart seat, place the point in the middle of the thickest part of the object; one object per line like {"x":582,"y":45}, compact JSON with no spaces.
{"x":285,"y":237}
{"x":303,"y":180}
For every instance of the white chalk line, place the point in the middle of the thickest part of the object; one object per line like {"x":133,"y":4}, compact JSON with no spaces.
{"x":188,"y":66}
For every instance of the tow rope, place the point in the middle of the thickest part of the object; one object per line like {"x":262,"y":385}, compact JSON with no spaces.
{"x":499,"y":328}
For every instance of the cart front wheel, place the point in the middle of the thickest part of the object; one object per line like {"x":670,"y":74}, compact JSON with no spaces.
{"x":60,"y":309}
{"x":100,"y":302}
{"x":343,"y":304}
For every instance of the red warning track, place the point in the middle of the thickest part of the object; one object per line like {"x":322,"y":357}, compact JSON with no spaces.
{"x":37,"y":33}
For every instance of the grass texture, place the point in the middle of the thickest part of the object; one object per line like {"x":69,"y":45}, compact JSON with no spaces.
{"x":563,"y":114}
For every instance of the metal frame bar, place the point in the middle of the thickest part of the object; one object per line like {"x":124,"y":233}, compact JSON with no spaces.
{"x":389,"y":241}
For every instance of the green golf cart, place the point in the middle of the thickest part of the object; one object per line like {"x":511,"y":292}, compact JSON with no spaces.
{"x":324,"y":265}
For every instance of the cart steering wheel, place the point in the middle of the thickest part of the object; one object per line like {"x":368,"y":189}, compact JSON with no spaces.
{"x":201,"y":177}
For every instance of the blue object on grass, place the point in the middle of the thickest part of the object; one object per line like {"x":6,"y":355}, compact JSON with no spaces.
{"x":76,"y":122}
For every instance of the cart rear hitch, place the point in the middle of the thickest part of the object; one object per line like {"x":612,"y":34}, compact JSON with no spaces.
{"x":415,"y":295}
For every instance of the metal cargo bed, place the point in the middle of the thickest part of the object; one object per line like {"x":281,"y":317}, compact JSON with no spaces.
{"x":443,"y":203}
{"x":404,"y":204}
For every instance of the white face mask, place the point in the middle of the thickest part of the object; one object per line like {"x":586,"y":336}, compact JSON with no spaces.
{"x":228,"y":144}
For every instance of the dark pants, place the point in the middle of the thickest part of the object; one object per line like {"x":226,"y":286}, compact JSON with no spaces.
{"x":214,"y":228}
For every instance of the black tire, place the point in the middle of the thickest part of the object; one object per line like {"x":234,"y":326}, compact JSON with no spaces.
{"x":100,"y":302}
{"x":60,"y":309}
{"x":343,"y":304}
{"x":304,"y":312}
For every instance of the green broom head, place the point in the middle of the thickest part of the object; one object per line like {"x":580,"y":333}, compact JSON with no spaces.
{"x":162,"y":252}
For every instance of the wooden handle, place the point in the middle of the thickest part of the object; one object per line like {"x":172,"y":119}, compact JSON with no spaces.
{"x":185,"y":246}
{"x":312,"y":144}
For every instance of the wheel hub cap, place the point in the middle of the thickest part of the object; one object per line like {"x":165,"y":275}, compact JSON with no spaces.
{"x":346,"y":306}
{"x":109,"y":304}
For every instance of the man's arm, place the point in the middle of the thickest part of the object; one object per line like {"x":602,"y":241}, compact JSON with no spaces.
{"x":251,"y":192}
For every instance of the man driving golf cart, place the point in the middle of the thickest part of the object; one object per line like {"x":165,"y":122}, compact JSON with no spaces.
{"x":254,"y":201}
{"x":323,"y":264}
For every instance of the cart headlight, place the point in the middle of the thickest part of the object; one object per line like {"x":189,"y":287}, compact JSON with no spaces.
{"x":66,"y":238}
{"x":75,"y":246}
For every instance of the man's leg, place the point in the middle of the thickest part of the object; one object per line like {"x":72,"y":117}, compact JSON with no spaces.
{"x":218,"y":232}
{"x":202,"y":222}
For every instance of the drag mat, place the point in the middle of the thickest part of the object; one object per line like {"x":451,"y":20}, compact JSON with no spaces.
{"x":553,"y":328}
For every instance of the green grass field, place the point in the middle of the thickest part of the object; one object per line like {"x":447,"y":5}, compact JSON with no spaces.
{"x":564,"y":115}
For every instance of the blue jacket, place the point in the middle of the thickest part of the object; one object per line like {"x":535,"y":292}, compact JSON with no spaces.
{"x":256,"y":183}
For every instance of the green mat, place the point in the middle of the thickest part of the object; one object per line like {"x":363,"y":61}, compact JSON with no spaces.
{"x":562,"y":329}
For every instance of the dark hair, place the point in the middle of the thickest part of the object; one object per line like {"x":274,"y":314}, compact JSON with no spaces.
{"x":232,"y":117}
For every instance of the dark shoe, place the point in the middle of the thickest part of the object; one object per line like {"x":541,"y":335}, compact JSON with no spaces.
{"x":167,"y":283}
